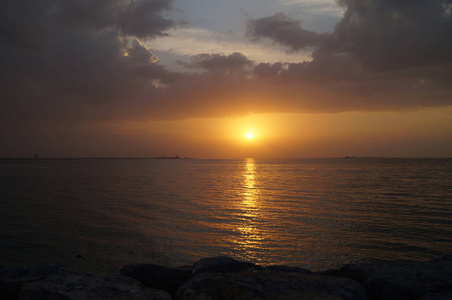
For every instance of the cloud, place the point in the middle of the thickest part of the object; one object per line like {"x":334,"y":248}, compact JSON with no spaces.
{"x":384,"y":35}
{"x":286,"y":31}
{"x":70,"y":62}
{"x":144,"y":19}
{"x":234,"y":61}
{"x":267,"y":70}
{"x":67,"y":60}
{"x":188,"y":41}
{"x":396,"y":34}
{"x":383,"y":55}
{"x":319,"y":7}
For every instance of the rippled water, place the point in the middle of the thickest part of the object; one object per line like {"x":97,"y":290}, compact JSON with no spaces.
{"x":96,"y":215}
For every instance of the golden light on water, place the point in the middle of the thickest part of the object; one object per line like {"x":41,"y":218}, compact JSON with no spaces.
{"x":250,"y":192}
{"x":250,"y":237}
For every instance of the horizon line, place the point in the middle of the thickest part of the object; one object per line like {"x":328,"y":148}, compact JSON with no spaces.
{"x":200,"y":158}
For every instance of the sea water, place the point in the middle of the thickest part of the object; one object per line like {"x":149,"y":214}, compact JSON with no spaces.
{"x":96,"y":215}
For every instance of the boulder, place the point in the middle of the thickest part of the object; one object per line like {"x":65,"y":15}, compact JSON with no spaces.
{"x":404,"y":279}
{"x":288,"y":269}
{"x":221,"y":264}
{"x":12,"y":278}
{"x":298,"y":295}
{"x":268,"y":284}
{"x":78,"y":286}
{"x":219,"y":286}
{"x":226,"y":278}
{"x":158,"y":277}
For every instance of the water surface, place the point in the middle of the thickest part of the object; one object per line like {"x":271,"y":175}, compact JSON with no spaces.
{"x":97,"y":215}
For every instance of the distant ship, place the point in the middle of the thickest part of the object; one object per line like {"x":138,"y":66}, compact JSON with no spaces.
{"x":167,"y":157}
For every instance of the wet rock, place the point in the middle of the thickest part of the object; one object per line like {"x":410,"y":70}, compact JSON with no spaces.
{"x":158,"y":277}
{"x":221,"y":264}
{"x":267,"y":284}
{"x":77,"y":286}
{"x":404,"y":279}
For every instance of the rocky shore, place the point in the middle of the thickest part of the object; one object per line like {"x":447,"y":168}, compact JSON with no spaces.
{"x":226,"y":278}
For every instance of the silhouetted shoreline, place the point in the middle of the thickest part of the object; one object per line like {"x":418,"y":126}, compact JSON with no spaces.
{"x":226,"y":278}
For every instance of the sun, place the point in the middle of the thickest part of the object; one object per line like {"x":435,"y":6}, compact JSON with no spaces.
{"x":249,"y":135}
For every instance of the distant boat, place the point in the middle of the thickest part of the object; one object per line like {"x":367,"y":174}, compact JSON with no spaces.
{"x":349,"y":157}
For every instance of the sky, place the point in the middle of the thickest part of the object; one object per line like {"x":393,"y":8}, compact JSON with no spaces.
{"x":308,"y":78}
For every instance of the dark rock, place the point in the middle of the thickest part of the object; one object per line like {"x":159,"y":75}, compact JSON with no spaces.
{"x":287,"y":269}
{"x":79,"y":286}
{"x":436,"y":296}
{"x":12,"y":278}
{"x":186,"y":267}
{"x":267,"y":284}
{"x":227,"y":278}
{"x":404,"y":279}
{"x":158,"y":277}
{"x":219,"y":286}
{"x":298,"y":295}
{"x":221,"y":264}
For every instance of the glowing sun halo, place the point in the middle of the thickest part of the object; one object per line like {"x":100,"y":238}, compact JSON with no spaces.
{"x":249,"y":135}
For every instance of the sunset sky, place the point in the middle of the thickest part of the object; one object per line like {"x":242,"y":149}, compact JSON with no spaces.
{"x":307,"y":78}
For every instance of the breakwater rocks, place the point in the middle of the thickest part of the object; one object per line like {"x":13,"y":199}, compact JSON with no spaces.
{"x":226,"y":278}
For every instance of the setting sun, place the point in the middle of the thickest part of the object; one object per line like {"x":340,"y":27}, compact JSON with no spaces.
{"x":249,"y":135}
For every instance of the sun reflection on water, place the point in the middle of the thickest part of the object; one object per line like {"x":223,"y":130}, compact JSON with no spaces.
{"x":250,"y":192}
{"x":250,"y":235}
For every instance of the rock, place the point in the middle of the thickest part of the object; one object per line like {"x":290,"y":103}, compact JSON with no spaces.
{"x":404,"y":279}
{"x":288,"y":269}
{"x":10,"y":281}
{"x":221,"y":264}
{"x":12,"y":278}
{"x":79,"y":286}
{"x":158,"y":277}
{"x":436,"y":296}
{"x":267,"y":284}
{"x":298,"y":295}
{"x":226,"y":278}
{"x":219,"y":286}
{"x":55,"y":282}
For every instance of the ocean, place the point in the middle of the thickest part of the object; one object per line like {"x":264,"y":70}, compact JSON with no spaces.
{"x":96,"y":215}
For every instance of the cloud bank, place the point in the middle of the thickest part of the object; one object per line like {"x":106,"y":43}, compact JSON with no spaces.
{"x":68,"y":62}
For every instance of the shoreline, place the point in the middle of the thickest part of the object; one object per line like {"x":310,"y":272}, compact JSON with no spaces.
{"x":223,"y":277}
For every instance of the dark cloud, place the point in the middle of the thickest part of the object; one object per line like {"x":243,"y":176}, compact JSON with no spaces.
{"x":382,"y":55}
{"x":266,"y":70}
{"x":218,"y":61}
{"x":286,"y":31}
{"x":62,"y":60}
{"x":143,"y":18}
{"x":396,"y":34}
{"x":64,"y":63}
{"x":383,"y":34}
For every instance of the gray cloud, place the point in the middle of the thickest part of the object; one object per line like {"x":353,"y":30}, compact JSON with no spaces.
{"x":286,"y":31}
{"x":218,"y":61}
{"x":63,"y":63}
{"x":266,"y":70}
{"x":382,"y":55}
{"x":67,"y":60}
{"x":383,"y":34}
{"x":397,"y":34}
{"x":143,"y":18}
